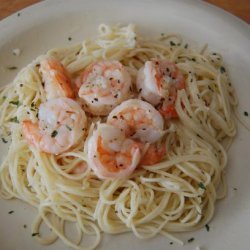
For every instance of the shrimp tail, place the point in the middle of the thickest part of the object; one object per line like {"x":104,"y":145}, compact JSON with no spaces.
{"x":31,"y":133}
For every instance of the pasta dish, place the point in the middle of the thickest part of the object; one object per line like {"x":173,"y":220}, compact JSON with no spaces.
{"x":119,"y":133}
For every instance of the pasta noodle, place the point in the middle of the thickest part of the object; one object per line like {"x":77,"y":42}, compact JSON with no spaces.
{"x":176,"y":195}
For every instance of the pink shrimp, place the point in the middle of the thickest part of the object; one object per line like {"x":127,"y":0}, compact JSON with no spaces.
{"x":138,"y":119}
{"x":158,"y":81}
{"x":56,"y":79}
{"x":103,"y":85}
{"x":111,"y":154}
{"x":61,"y":125}
{"x":154,"y":154}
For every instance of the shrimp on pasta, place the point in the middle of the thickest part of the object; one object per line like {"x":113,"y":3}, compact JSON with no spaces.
{"x":111,"y":154}
{"x":158,"y":82}
{"x":103,"y":85}
{"x":56,"y":79}
{"x":138,"y":119}
{"x":61,"y":125}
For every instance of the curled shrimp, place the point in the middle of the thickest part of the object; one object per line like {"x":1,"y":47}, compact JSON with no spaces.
{"x":103,"y":85}
{"x":111,"y":154}
{"x":56,"y":79}
{"x":138,"y":119}
{"x":158,"y":81}
{"x":61,"y":125}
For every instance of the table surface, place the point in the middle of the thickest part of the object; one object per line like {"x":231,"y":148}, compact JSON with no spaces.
{"x":240,"y":8}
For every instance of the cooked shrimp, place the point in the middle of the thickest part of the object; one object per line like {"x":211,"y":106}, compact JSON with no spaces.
{"x":138,"y":119}
{"x":158,"y":81}
{"x":154,"y":154}
{"x":56,"y":79}
{"x":103,"y":85}
{"x":61,"y":125}
{"x":111,"y":154}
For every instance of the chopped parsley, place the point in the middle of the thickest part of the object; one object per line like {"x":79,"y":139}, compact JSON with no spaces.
{"x":17,"y":103}
{"x":11,"y":67}
{"x":54,"y":133}
{"x":4,"y":141}
{"x":207,"y":227}
{"x":14,"y":119}
{"x":172,"y":43}
{"x":191,"y":240}
{"x":202,"y":186}
{"x":69,"y":128}
{"x":222,"y":70}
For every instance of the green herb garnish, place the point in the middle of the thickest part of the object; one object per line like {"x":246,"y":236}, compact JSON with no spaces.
{"x":222,"y":70}
{"x":191,"y":240}
{"x":69,"y":128}
{"x":3,"y":140}
{"x":14,"y":119}
{"x":12,"y":67}
{"x":201,"y":185}
{"x":172,"y":43}
{"x":17,"y":103}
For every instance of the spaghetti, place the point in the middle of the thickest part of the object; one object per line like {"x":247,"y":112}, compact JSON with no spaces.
{"x":175,"y":195}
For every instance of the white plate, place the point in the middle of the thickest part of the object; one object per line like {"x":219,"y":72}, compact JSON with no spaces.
{"x":50,"y":23}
